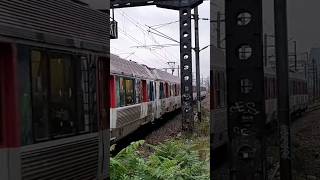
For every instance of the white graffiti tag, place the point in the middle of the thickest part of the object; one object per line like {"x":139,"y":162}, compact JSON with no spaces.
{"x":284,"y":142}
{"x":241,"y":107}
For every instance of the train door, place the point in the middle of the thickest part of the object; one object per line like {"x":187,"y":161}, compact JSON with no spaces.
{"x":158,"y":99}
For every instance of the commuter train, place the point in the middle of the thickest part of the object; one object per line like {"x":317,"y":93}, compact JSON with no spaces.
{"x":140,"y":95}
{"x":53,"y":74}
{"x":218,"y":92}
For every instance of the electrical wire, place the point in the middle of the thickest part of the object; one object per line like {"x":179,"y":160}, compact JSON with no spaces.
{"x":141,"y":27}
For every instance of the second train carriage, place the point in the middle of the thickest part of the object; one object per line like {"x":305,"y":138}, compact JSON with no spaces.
{"x":140,"y":95}
{"x":132,"y":96}
{"x":218,"y":101}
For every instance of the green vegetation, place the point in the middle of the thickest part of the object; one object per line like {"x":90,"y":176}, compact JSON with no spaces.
{"x":180,"y":158}
{"x":172,"y":160}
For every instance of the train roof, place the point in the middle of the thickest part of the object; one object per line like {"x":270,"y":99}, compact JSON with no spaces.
{"x":55,"y":22}
{"x":124,"y":67}
{"x":164,"y":76}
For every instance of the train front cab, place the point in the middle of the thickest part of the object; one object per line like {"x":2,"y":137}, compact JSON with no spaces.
{"x":48,"y":123}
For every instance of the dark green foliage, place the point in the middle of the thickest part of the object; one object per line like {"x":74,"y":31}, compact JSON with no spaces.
{"x":172,"y":160}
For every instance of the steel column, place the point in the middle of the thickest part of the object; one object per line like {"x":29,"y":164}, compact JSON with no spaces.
{"x":197,"y":56}
{"x":281,"y":34}
{"x":245,"y":88}
{"x":186,"y":69}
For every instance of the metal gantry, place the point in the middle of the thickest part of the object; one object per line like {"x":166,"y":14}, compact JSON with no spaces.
{"x":245,"y":85}
{"x":184,"y":7}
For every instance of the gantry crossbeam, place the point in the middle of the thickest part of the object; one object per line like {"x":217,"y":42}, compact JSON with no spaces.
{"x":168,"y":4}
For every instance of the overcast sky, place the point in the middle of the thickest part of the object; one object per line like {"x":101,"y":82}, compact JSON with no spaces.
{"x":302,"y":27}
{"x":302,"y":23}
{"x":134,"y":32}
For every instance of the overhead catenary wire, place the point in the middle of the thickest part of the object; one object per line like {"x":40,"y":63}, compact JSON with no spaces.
{"x":163,"y":24}
{"x":145,"y":32}
{"x":138,"y":42}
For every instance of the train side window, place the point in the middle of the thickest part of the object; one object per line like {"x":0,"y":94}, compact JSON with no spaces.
{"x":128,"y":91}
{"x":138,"y":91}
{"x":173,"y":90}
{"x":39,"y":95}
{"x":121,"y":91}
{"x":62,"y":95}
{"x":154,"y":87}
{"x":176,"y":89}
{"x":161,"y":91}
{"x":151,"y":91}
{"x":166,"y":92}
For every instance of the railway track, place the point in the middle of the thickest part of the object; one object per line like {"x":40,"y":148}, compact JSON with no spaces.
{"x":314,"y":107}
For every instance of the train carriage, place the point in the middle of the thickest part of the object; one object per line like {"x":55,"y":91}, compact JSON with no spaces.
{"x":219,"y":127}
{"x":168,"y":98}
{"x":139,"y":95}
{"x":53,"y":105}
{"x":132,"y":96}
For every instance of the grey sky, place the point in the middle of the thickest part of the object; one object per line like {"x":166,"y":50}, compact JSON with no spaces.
{"x":133,"y":32}
{"x":302,"y":27}
{"x":302,"y":22}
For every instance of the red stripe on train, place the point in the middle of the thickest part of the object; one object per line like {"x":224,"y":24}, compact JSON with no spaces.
{"x":11,"y":125}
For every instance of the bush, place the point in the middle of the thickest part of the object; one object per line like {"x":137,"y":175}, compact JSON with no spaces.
{"x":172,"y":160}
